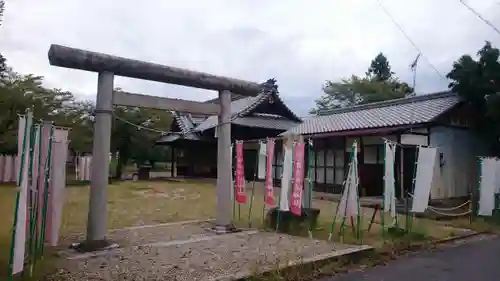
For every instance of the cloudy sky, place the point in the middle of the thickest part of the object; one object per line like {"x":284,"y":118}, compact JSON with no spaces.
{"x":300,"y":43}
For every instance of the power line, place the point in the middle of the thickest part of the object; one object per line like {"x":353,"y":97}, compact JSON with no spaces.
{"x":489,"y":23}
{"x":409,"y":39}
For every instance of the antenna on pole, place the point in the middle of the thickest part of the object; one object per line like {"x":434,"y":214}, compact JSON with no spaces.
{"x":413,"y":68}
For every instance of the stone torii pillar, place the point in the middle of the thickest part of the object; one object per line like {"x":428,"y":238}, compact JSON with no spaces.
{"x":107,"y":67}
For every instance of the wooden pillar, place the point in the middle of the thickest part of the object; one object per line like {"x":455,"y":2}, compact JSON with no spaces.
{"x":172,"y":161}
{"x":362,"y":188}
{"x":325,"y":142}
{"x":307,"y":197}
{"x":399,"y":167}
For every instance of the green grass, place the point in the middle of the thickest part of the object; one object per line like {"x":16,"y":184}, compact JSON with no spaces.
{"x":139,"y":203}
{"x":7,"y":196}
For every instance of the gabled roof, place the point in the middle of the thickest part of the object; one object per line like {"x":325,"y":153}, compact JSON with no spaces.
{"x":405,"y":111}
{"x":186,"y":123}
{"x":242,"y":107}
{"x":242,"y":113}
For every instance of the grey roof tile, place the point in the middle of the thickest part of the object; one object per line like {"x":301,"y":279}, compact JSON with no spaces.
{"x":238,"y":107}
{"x":186,"y":125}
{"x":192,"y":127}
{"x":265,"y":122}
{"x":415,"y":110}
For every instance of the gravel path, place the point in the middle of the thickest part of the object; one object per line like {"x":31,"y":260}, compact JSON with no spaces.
{"x":190,"y":252}
{"x":471,"y":261}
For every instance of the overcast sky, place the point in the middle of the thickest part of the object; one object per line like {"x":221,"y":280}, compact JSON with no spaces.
{"x":300,"y":43}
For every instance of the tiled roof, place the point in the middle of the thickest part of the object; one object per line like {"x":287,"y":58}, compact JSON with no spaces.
{"x":406,"y":111}
{"x":241,"y":107}
{"x":238,"y":107}
{"x":186,"y":125}
{"x":265,"y":122}
{"x":192,"y":126}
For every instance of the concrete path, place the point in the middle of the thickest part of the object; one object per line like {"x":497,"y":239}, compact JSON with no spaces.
{"x":474,"y":261}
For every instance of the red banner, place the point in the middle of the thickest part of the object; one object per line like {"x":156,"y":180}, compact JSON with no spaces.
{"x":239,"y":185}
{"x":298,"y":178}
{"x":270,"y":201}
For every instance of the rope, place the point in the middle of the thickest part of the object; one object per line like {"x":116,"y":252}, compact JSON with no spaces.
{"x":139,"y":127}
{"x":450,"y":215}
{"x":451,"y":208}
{"x":445,"y":209}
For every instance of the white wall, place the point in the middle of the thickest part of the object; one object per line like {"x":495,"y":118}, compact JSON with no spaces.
{"x":458,"y":175}
{"x":414,"y":139}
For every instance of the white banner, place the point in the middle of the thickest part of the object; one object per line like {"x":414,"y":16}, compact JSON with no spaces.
{"x":262,"y":160}
{"x":424,"y":178}
{"x":286,"y":178}
{"x":389,"y":184}
{"x":348,"y":206}
{"x":57,"y":185}
{"x":487,"y":186}
{"x":21,"y":214}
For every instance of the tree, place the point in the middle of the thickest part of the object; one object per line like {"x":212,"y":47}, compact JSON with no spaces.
{"x":3,"y":65}
{"x":478,"y":83}
{"x":77,"y":115}
{"x":380,"y":69}
{"x":379,"y":84}
{"x":20,"y":92}
{"x":132,"y":140}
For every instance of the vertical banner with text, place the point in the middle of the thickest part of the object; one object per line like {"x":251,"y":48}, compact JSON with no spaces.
{"x":298,"y":179}
{"x":241,"y":195}
{"x":270,"y":201}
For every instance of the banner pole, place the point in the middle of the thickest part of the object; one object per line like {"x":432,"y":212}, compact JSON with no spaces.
{"x":37,"y":207}
{"x":382,"y":212}
{"x":233,"y":188}
{"x":356,"y":180}
{"x":350,"y":174}
{"x":310,"y":164}
{"x":283,"y":167}
{"x":253,"y":189}
{"x":31,"y":203}
{"x":48,"y":164}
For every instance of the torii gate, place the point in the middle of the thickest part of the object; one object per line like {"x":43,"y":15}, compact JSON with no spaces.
{"x":107,"y":67}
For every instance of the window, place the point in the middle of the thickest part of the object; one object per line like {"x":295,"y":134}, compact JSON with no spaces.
{"x":320,"y":175}
{"x":329,"y":165}
{"x":330,"y":176}
{"x":278,"y":160}
{"x":339,"y":166}
{"x":339,"y":175}
{"x":373,"y":154}
{"x":370,"y":154}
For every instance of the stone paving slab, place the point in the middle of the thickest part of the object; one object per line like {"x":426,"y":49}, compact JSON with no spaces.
{"x":199,"y":256}
{"x":138,"y":235}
